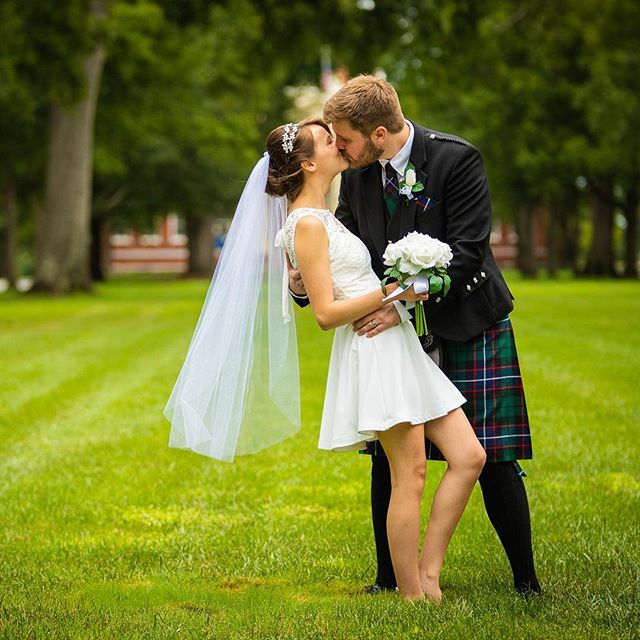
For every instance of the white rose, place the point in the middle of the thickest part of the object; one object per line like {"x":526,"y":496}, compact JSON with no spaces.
{"x":410,"y":267}
{"x":442,"y":255}
{"x":419,"y":257}
{"x":416,"y":252}
{"x":391,"y":254}
{"x":410,"y":178}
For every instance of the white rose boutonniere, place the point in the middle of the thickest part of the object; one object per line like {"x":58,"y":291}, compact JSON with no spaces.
{"x":422,"y":261}
{"x":409,"y":184}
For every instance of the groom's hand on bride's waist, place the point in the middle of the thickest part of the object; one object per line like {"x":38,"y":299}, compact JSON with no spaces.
{"x":376,"y":322}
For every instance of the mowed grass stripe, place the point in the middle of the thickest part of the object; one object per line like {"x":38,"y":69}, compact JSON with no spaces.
{"x":112,"y":534}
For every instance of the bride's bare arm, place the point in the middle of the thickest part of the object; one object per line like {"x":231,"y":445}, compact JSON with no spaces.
{"x":312,"y":252}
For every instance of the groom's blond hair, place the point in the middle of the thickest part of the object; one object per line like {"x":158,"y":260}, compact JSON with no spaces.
{"x":366,"y":102}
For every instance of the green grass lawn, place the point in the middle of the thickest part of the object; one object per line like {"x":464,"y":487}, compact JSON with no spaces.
{"x":107,"y":533}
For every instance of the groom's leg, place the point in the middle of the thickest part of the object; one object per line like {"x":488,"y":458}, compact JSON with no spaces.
{"x":380,"y":495}
{"x":505,"y":500}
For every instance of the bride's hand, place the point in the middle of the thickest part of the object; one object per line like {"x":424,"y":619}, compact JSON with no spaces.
{"x":409,"y":295}
{"x":378,"y":321}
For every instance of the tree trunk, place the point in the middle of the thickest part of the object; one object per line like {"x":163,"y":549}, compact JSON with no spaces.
{"x":571,"y":235}
{"x":99,"y":249}
{"x":631,"y":236}
{"x":600,"y":259}
{"x":563,"y":233}
{"x":554,"y":238}
{"x":524,"y":222}
{"x":10,"y":235}
{"x":63,"y":263}
{"x":200,"y":235}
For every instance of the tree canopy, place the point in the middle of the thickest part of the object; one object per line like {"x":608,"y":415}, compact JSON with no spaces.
{"x":549,"y":92}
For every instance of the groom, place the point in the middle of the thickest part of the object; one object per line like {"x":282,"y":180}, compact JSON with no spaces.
{"x":405,"y":178}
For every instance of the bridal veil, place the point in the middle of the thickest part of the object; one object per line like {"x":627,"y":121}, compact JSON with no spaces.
{"x":238,"y":390}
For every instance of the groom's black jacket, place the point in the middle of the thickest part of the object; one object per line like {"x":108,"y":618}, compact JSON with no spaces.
{"x":453,"y":175}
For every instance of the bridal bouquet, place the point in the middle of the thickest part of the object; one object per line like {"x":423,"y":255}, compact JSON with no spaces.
{"x":421,"y":261}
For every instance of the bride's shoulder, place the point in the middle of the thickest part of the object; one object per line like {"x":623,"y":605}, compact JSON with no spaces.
{"x":309,"y":223}
{"x":307,"y":216}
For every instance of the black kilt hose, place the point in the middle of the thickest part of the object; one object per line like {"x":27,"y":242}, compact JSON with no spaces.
{"x":486,"y":371}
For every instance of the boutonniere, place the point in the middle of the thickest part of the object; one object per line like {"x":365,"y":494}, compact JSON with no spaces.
{"x":409,"y":185}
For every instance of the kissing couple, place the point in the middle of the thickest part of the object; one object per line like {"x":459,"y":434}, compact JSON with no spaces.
{"x":238,"y":390}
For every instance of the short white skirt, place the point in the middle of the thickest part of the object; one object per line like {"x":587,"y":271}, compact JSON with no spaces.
{"x":377,"y":383}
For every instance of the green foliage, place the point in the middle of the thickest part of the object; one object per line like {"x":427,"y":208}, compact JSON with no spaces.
{"x":109,"y":533}
{"x":41,"y":48}
{"x":175,"y":129}
{"x":548,"y":91}
{"x":190,"y":91}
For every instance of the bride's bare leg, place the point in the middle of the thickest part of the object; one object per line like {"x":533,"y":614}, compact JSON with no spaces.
{"x":453,"y":435}
{"x":404,"y":446}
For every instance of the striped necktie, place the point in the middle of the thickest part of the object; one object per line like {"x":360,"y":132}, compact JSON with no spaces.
{"x":391,"y":189}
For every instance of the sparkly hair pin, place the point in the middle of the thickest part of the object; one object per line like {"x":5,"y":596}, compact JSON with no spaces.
{"x":290,"y":133}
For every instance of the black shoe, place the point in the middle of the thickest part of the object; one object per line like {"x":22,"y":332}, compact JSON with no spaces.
{"x":377,"y":589}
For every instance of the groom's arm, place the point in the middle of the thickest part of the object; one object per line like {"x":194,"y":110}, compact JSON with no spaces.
{"x":467,"y":221}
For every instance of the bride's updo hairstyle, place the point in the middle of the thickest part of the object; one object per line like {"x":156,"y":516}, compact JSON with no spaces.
{"x":286,"y":176}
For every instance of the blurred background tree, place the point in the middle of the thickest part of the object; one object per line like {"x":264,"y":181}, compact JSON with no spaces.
{"x":549,"y":91}
{"x":114,"y":112}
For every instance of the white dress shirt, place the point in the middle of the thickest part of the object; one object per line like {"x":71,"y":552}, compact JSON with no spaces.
{"x":400,"y":161}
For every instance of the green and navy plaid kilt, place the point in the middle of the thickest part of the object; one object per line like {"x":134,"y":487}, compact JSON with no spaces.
{"x":486,"y":371}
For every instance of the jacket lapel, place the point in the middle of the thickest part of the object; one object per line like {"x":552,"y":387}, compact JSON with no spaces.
{"x":418,"y":159}
{"x":374,"y":212}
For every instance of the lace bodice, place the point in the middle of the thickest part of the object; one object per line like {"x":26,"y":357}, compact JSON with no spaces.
{"x":349,"y":258}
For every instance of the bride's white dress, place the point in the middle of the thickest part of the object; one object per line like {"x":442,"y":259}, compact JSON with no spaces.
{"x":373,"y":383}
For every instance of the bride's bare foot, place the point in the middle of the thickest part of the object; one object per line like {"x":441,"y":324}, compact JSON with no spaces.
{"x":431,"y":588}
{"x":412,"y":597}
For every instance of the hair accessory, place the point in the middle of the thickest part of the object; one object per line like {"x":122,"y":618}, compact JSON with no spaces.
{"x":290,"y":133}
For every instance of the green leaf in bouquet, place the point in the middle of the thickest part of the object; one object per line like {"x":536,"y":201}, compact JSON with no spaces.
{"x":447,"y":283}
{"x":435,"y":283}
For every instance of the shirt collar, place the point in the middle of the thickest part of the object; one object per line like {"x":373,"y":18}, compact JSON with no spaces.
{"x":400,"y":161}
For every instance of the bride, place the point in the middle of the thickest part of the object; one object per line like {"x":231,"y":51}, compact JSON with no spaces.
{"x":242,"y":359}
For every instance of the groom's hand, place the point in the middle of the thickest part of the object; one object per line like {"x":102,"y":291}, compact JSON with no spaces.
{"x":378,"y":321}
{"x":296,"y":285}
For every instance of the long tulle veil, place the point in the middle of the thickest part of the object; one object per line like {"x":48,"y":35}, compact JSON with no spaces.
{"x":239,"y":391}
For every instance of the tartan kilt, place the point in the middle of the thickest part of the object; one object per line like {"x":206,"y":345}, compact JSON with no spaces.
{"x":486,"y":371}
